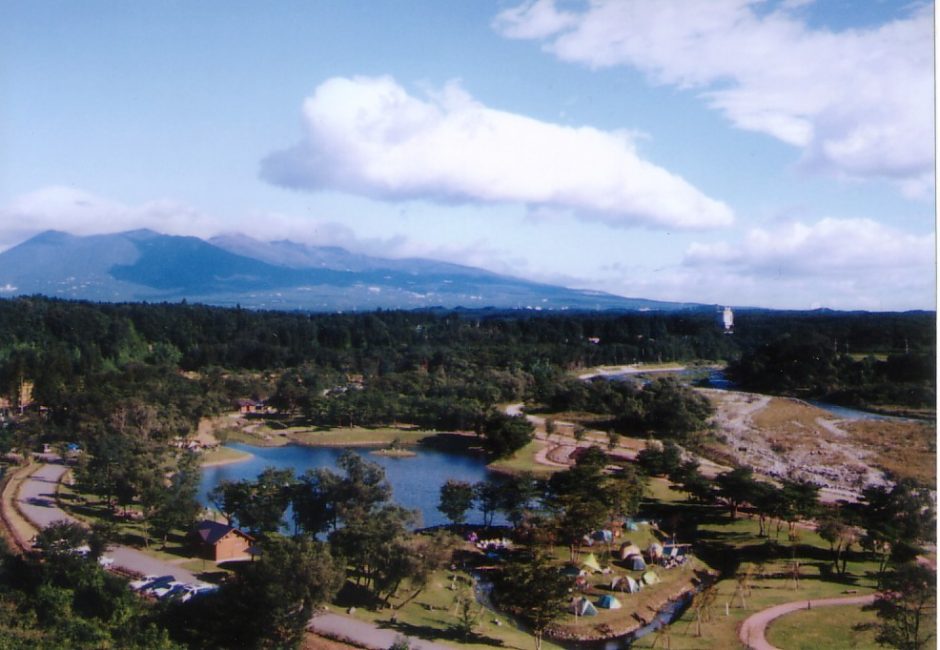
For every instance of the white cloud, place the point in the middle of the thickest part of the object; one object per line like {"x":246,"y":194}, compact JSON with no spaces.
{"x":859,"y":102}
{"x":80,"y":212}
{"x":368,"y":136}
{"x":837,"y":263}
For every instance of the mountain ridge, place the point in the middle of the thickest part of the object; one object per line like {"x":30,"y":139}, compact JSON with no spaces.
{"x":144,"y":265}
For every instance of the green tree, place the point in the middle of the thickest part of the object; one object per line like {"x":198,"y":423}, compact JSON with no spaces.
{"x":897,"y":521}
{"x":269,"y":602}
{"x":456,"y":498}
{"x":535,"y":590}
{"x":841,"y":536}
{"x":735,"y":487}
{"x":907,"y":607}
{"x":61,"y":539}
{"x":488,"y":495}
{"x":314,"y":501}
{"x":175,"y":506}
{"x":516,"y":495}
{"x":505,"y":434}
{"x":258,"y":505}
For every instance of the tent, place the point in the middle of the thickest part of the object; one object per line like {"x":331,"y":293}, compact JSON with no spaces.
{"x":650,"y":578}
{"x":627,"y":549}
{"x":629,"y":524}
{"x":636,"y":563}
{"x":655,"y":551}
{"x":582,"y":607}
{"x":609,"y":602}
{"x":626,"y":585}
{"x":603,"y":536}
{"x":591,"y":563}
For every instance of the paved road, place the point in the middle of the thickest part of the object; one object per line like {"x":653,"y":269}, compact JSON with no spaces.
{"x":36,"y":500}
{"x":365,"y":634}
{"x":753,"y":629}
{"x":36,"y":497}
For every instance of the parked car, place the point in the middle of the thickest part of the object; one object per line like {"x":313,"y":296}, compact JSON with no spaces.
{"x":184,"y":592}
{"x":150,"y":583}
{"x":162,"y":589}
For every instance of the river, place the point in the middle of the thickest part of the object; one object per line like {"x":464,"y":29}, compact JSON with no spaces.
{"x":416,"y":480}
{"x":717,"y":379}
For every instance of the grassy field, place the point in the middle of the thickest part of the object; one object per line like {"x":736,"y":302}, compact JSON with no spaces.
{"x":524,"y":461}
{"x":433,"y":615}
{"x":829,"y":627}
{"x":906,"y":449}
{"x":340,"y":436}
{"x":223,"y":455}
{"x":132,"y":532}
{"x":760,"y":573}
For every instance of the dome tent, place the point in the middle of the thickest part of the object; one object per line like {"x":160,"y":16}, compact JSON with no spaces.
{"x":609,"y":602}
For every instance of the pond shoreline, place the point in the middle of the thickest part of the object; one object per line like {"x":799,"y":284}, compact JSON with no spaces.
{"x":242,"y":457}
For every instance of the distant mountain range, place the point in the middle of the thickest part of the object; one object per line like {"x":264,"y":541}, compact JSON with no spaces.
{"x":143,"y":265}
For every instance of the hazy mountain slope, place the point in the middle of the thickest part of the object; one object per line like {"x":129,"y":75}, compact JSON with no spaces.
{"x":144,"y":265}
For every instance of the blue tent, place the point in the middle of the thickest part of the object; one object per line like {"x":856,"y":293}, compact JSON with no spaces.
{"x":609,"y":602}
{"x":603,"y":536}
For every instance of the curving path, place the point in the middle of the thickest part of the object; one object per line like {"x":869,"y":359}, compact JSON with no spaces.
{"x":753,"y":629}
{"x":364,"y":634}
{"x":36,"y":499}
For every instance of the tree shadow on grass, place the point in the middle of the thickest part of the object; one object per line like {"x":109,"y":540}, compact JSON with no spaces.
{"x":438,"y":634}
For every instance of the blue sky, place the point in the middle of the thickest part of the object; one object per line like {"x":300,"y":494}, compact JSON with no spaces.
{"x":748,"y":152}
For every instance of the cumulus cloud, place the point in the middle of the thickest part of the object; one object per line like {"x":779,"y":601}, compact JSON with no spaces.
{"x":80,"y":212}
{"x":369,"y":136}
{"x":839,"y":263}
{"x":858,"y":102}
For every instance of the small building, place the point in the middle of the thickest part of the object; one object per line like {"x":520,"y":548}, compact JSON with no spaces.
{"x":247,"y":406}
{"x":221,"y":542}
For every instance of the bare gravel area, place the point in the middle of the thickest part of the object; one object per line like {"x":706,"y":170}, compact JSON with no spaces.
{"x":787,"y":438}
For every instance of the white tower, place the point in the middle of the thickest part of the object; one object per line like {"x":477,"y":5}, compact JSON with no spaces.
{"x":727,"y":319}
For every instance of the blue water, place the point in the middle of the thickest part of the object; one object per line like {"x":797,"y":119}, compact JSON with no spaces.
{"x":416,"y":481}
{"x":717,"y":379}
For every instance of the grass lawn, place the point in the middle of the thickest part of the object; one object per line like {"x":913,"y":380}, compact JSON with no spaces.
{"x":433,"y":615}
{"x":769,"y":582}
{"x":222,"y":455}
{"x":355,"y":436}
{"x":90,"y":509}
{"x":524,"y":461}
{"x":829,"y":627}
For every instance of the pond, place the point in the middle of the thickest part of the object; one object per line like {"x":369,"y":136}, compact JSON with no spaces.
{"x":416,"y":480}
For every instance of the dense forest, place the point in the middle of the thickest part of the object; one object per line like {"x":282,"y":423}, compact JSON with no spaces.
{"x":54,"y":343}
{"x":102,"y":371}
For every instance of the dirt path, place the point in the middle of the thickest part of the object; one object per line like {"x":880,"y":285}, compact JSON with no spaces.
{"x":629,"y":369}
{"x":753,"y":629}
{"x":365,"y":635}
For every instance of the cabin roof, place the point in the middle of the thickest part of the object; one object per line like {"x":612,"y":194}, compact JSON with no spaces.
{"x":211,"y":532}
